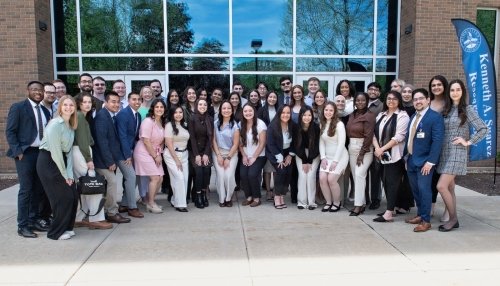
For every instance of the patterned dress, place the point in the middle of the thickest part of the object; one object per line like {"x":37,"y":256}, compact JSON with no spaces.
{"x":453,"y":158}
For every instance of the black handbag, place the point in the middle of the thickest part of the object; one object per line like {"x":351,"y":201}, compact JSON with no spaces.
{"x":96,"y":185}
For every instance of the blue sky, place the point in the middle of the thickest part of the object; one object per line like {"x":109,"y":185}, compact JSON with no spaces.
{"x":252,"y":19}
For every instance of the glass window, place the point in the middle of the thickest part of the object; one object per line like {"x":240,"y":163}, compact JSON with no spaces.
{"x":486,"y":21}
{"x":335,"y":27}
{"x":386,"y":65}
{"x":123,"y":64}
{"x":209,"y":81}
{"x":198,"y":26}
{"x":65,"y":27}
{"x":67,"y":64}
{"x":198,"y":63}
{"x":71,"y":83}
{"x":262,"y":64}
{"x":387,"y":27}
{"x":385,"y":82}
{"x":250,"y":81}
{"x":138,"y":29}
{"x":334,"y":65}
{"x":267,"y":21}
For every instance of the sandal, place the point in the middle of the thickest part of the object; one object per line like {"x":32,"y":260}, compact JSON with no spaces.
{"x":334,"y":208}
{"x":326,"y":208}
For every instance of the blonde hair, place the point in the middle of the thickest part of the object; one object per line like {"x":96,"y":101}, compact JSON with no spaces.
{"x":73,"y":119}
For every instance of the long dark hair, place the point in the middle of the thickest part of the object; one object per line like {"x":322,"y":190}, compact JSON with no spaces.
{"x":292,"y":99}
{"x":79,"y":100}
{"x":333,"y":122}
{"x":309,"y":131}
{"x":276,"y":122}
{"x":151,"y":111}
{"x":352,"y":90}
{"x":398,"y":96}
{"x":185,"y":99}
{"x":462,"y":104}
{"x":243,"y":124}
{"x":169,"y":104}
{"x":221,"y":118}
{"x":442,"y":79}
{"x":171,"y":113}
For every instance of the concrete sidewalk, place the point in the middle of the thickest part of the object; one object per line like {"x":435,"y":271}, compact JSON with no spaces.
{"x":259,"y":246}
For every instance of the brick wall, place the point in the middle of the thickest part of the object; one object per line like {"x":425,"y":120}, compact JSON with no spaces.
{"x":432,"y":48}
{"x":26,"y":54}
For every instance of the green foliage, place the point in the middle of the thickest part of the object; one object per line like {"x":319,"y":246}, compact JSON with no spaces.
{"x":486,"y":20}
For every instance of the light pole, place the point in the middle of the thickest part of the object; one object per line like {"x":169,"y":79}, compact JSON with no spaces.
{"x":256,"y":44}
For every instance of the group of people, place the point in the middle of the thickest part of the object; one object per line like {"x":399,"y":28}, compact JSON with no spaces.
{"x":413,"y":143}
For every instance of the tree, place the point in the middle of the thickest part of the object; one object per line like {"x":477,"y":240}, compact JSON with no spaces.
{"x":331,"y":27}
{"x":179,"y":35}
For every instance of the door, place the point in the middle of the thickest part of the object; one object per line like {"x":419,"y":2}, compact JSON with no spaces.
{"x":329,"y":83}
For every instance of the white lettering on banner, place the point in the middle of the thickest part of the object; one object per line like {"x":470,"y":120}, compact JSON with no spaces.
{"x":489,"y":123}
{"x":484,"y":60}
{"x":473,"y":78}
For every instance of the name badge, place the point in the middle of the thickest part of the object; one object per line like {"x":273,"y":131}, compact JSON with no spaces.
{"x":420,"y":135}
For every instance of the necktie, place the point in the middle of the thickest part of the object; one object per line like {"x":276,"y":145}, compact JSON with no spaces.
{"x":136,"y":122}
{"x":40,"y":121}
{"x":412,"y":133}
{"x":287,"y":100}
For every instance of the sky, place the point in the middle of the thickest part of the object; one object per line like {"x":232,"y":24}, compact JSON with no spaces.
{"x":252,"y":19}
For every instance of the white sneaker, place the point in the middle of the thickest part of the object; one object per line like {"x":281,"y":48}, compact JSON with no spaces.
{"x":64,"y":236}
{"x":70,"y":232}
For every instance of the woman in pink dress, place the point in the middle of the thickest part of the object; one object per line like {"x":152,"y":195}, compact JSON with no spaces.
{"x":147,"y":152}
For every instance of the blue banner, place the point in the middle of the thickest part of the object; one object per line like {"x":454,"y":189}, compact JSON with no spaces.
{"x":479,"y":71}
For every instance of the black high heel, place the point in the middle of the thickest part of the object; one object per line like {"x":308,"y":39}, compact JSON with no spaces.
{"x":354,"y":213}
{"x":442,"y":228}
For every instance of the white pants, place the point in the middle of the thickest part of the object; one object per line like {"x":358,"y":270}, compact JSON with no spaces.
{"x":90,"y":203}
{"x":178,"y":178}
{"x":225,"y":177}
{"x":359,"y":172}
{"x":306,"y":183}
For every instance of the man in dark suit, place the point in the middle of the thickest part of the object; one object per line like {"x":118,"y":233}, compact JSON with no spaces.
{"x":286,"y":88}
{"x":107,"y":153}
{"x":25,"y":125}
{"x":424,"y":140}
{"x":128,"y":122}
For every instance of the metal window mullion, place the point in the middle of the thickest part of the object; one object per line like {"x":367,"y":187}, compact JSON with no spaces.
{"x":79,"y":36}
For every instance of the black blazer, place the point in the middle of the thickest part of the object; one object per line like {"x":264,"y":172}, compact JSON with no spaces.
{"x":263,"y":114}
{"x":21,"y":129}
{"x":274,"y":143}
{"x":300,"y":151}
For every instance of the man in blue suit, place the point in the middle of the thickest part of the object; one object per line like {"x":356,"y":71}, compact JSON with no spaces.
{"x":128,"y":122}
{"x":24,"y":131}
{"x":107,"y":153}
{"x":424,"y":140}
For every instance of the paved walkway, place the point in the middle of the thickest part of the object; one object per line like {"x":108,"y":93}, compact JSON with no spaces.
{"x":259,"y":246}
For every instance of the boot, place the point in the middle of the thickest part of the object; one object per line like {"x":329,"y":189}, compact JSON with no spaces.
{"x":205,"y":199}
{"x":198,"y":200}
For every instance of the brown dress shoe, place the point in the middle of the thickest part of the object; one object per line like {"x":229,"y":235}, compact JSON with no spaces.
{"x":100,"y":225}
{"x":423,"y":226}
{"x":83,"y":223}
{"x":255,"y":203}
{"x":246,"y":202}
{"x":117,"y":218}
{"x":414,"y":220}
{"x":135,"y":213}
{"x":122,"y":209}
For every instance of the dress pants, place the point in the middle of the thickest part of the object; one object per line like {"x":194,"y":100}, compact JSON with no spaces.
{"x":178,"y":178}
{"x":307,"y":184}
{"x":63,"y":198}
{"x":294,"y":180}
{"x":30,"y":188}
{"x":90,"y":203}
{"x":359,"y":172}
{"x":373,"y":189}
{"x":392,"y":177}
{"x":111,"y":207}
{"x":225,"y":178}
{"x":282,"y":179}
{"x":129,"y":183}
{"x":251,"y":177}
{"x":404,"y":198}
{"x":421,"y":188}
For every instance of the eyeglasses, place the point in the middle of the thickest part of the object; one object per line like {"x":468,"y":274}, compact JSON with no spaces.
{"x":99,"y":84}
{"x":286,"y":83}
{"x":392,"y":99}
{"x":85,"y":81}
{"x":415,"y":99}
{"x":49,"y":92}
{"x":373,"y":89}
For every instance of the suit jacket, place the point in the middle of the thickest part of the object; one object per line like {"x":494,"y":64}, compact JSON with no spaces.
{"x":21,"y":129}
{"x":263,"y":114}
{"x":274,"y":142}
{"x":128,"y":131}
{"x":106,"y":149}
{"x":281,"y":100}
{"x":427,"y":149}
